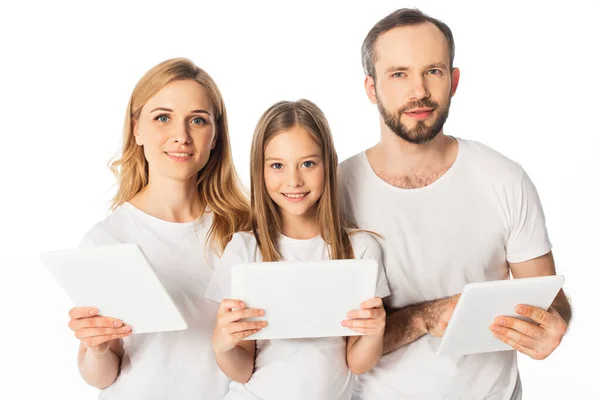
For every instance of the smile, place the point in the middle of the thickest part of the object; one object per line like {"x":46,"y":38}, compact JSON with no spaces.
{"x":295,"y":195}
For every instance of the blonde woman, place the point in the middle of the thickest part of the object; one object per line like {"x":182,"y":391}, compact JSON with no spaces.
{"x":295,"y":217}
{"x":179,"y":199}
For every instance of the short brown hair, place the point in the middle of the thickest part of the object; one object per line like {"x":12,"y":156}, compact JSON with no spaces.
{"x":401,"y":17}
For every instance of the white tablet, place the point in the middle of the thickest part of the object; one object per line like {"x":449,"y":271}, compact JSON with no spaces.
{"x":481,"y":303}
{"x":119,"y":281}
{"x":304,"y":299}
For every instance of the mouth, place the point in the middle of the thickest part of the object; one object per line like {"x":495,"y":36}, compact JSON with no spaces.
{"x":179,"y":156}
{"x":295,"y":196}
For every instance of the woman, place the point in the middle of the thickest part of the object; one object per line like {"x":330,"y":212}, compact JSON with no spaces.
{"x":180,"y":200}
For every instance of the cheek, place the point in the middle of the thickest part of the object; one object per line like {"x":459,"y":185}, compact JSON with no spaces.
{"x":272,"y":180}
{"x":317,"y":180}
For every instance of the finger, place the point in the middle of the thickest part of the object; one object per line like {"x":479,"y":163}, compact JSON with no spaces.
{"x":517,"y":337}
{"x":375,"y":302}
{"x":372,"y":313}
{"x":82,"y":312}
{"x":360,"y":330}
{"x":362,"y":323}
{"x":240,"y":314}
{"x":91,"y":332}
{"x":228,"y":304}
{"x":244,"y":326}
{"x":242,"y":335}
{"x":524,"y":327}
{"x":95,"y":322}
{"x":520,"y":348}
{"x":537,"y":314}
{"x":98,"y":340}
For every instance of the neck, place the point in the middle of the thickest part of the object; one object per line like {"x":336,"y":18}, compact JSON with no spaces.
{"x":395,"y":155}
{"x":169,"y":199}
{"x":299,"y":226}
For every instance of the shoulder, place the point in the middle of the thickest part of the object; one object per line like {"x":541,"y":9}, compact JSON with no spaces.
{"x":489,"y":161}
{"x":242,"y":244}
{"x":364,"y":244}
{"x":108,"y":231}
{"x":350,"y":166}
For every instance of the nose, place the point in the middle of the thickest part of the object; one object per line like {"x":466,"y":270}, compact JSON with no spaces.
{"x":294,"y":178}
{"x":181,"y":134}
{"x":419,"y":90}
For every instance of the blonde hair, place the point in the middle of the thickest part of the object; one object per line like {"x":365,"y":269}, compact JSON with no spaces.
{"x":218,"y":185}
{"x":266,"y":222}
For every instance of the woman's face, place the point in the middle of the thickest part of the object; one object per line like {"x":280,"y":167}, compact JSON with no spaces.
{"x":177,"y":130}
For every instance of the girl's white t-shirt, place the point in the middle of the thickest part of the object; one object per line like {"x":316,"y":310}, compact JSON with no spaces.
{"x":293,"y":369}
{"x":167,"y":365}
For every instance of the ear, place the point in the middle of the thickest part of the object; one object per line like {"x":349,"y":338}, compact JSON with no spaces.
{"x":455,"y":79}
{"x":214,"y":141}
{"x":136,"y":133}
{"x":370,"y":89}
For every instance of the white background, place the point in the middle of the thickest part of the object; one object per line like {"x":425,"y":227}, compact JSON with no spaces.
{"x":529,"y":88}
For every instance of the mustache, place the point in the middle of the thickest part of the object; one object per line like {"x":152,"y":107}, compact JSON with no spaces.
{"x":425,"y":103}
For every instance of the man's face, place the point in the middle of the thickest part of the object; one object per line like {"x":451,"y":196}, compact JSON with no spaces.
{"x":414,"y":83}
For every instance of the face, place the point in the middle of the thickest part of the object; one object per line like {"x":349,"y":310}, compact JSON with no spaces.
{"x":414,"y":82}
{"x":177,"y":130}
{"x":294,"y":173}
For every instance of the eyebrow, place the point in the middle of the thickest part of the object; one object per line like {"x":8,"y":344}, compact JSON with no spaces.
{"x":281,"y":159}
{"x":191,"y":112}
{"x":402,"y":68}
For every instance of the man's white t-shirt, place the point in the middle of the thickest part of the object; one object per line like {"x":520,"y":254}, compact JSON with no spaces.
{"x":465,"y":227}
{"x":167,"y":365}
{"x":294,"y":369}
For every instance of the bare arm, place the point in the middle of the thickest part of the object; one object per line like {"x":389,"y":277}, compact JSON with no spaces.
{"x":363,"y":352}
{"x":238,"y":363}
{"x":544,"y":266}
{"x":407,"y":324}
{"x":100,"y":369}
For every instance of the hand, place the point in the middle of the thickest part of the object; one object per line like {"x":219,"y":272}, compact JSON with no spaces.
{"x":438,"y":315}
{"x":537,"y":341}
{"x":370,"y":319}
{"x":228,"y":331}
{"x":96,"y":331}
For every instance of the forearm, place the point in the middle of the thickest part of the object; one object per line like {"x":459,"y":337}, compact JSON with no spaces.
{"x":236,"y":363}
{"x":98,"y":370}
{"x":410,"y":323}
{"x":363,"y":352}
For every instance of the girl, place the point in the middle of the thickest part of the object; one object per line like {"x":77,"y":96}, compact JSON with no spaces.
{"x":295,"y":217}
{"x":179,"y":199}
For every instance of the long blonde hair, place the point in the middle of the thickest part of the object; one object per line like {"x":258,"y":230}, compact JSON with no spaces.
{"x":266,"y":221}
{"x":218,"y":185}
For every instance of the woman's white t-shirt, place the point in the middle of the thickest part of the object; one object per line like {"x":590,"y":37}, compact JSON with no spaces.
{"x":290,"y":369}
{"x":167,"y":365}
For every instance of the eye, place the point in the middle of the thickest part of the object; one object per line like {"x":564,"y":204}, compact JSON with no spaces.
{"x":277,"y":165}
{"x":198,"y":121}
{"x":434,"y":71}
{"x":398,"y":75}
{"x":162,"y":118}
{"x":308,"y":164}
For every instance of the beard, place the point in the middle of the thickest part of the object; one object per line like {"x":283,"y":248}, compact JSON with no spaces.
{"x":421,"y":132}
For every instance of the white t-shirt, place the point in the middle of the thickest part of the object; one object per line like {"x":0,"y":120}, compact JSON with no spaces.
{"x":291,"y":369}
{"x":464,"y":227}
{"x":167,"y":365}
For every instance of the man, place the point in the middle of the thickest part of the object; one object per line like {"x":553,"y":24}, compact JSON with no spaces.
{"x":452,"y":211}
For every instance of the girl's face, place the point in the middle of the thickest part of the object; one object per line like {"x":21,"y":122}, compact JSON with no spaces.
{"x":294,"y":172}
{"x":177,"y":129}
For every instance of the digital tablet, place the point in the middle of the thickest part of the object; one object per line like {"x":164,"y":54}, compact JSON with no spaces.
{"x":304,"y":299}
{"x":481,"y":303}
{"x":119,"y":281}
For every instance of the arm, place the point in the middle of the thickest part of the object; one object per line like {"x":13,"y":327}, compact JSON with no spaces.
{"x":363,"y":352}
{"x":235,"y":356}
{"x":538,"y":339}
{"x":100,"y":369}
{"x":407,"y":324}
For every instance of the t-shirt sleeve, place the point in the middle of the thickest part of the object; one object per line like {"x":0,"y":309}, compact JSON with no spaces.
{"x":372,"y":250}
{"x":528,"y":236}
{"x":235,"y":253}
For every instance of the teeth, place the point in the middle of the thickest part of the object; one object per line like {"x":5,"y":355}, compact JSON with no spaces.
{"x":180,"y":154}
{"x":294,"y":196}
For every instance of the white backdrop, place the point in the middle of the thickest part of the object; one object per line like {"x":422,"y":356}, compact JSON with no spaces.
{"x":529,"y":88}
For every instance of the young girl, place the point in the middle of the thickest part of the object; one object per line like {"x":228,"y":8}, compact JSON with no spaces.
{"x":179,"y":199}
{"x":295,"y":217}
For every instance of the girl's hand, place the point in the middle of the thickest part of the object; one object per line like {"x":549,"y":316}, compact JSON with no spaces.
{"x":95,"y":331}
{"x":370,"y":319}
{"x":229,"y":331}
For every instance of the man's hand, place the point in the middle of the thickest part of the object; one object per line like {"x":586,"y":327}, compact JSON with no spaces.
{"x":537,"y":341}
{"x":438,"y":315}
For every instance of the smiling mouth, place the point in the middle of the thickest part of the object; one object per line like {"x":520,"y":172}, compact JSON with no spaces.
{"x":182,"y":155}
{"x":295,"y":195}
